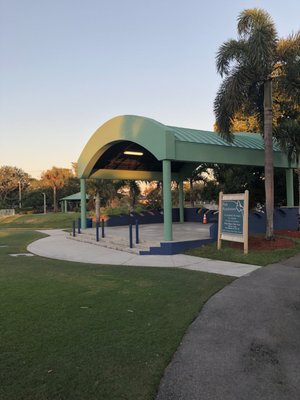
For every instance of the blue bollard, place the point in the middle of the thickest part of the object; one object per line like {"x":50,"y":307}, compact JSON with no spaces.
{"x":74,"y":228}
{"x":137,"y":232}
{"x":102,"y":227}
{"x":97,"y":231}
{"x":79,"y":225}
{"x":130,"y":236}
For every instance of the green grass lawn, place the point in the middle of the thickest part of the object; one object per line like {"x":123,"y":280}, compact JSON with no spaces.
{"x":40,"y":221}
{"x":227,"y":253}
{"x":72,"y":331}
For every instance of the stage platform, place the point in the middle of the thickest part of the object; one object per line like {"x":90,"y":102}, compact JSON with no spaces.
{"x":151,"y":238}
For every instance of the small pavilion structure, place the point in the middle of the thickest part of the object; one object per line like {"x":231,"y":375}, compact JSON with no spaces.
{"x":74,"y":199}
{"x":139,"y":148}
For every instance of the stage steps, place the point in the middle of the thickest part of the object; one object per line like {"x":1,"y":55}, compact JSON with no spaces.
{"x":114,"y":242}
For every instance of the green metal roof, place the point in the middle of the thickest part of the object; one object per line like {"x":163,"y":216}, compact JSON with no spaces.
{"x":104,"y":155}
{"x":243,"y":140}
{"x":74,"y":197}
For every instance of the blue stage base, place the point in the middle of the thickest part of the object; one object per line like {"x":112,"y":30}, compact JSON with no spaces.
{"x":285,"y":218}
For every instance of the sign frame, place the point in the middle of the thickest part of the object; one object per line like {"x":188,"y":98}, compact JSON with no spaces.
{"x":225,"y":218}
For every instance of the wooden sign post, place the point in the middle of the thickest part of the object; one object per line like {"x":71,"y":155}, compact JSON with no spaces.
{"x":233,"y":218}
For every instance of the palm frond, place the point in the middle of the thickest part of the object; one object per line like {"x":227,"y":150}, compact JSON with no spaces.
{"x":253,"y":19}
{"x":262,"y":47}
{"x":288,"y":66}
{"x":256,"y":27}
{"x":288,"y":47}
{"x":231,"y":52}
{"x":230,"y":99}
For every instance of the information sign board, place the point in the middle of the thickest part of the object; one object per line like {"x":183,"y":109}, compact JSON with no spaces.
{"x":233,"y":218}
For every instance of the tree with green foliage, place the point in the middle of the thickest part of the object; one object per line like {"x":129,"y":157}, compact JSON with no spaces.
{"x":287,"y":129}
{"x":288,"y":135}
{"x":56,"y":178}
{"x":199,"y":174}
{"x":13,"y":181}
{"x":236,"y":179}
{"x":94,"y":187}
{"x":134,"y":192}
{"x":72,"y":185}
{"x":102,"y":190}
{"x":153,"y":195}
{"x":248,"y":66}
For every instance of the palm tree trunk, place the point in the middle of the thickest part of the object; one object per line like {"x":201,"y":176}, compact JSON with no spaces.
{"x":54,"y":199}
{"x":134,"y":199}
{"x":269,"y":170}
{"x":132,"y":196}
{"x":97,"y":207}
{"x":191,"y":192}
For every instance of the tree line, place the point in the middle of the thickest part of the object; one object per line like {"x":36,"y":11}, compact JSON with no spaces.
{"x":18,"y":190}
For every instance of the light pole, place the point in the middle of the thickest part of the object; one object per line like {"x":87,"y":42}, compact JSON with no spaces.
{"x":45,"y":210}
{"x":20,"y":194}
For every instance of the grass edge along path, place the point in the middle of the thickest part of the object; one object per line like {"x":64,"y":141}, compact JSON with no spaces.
{"x":40,"y":221}
{"x":79,"y":331}
{"x":228,"y":253}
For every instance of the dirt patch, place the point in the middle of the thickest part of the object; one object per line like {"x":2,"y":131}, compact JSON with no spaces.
{"x":259,"y":243}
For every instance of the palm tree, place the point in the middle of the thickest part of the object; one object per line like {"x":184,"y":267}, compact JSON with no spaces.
{"x":102,"y":189}
{"x":134,"y":191}
{"x":288,"y":135}
{"x":93,"y":188}
{"x":247,"y":64}
{"x":197,"y":175}
{"x":56,"y":178}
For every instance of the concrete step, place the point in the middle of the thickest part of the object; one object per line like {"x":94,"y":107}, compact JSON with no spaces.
{"x":124,"y":240}
{"x":114,"y":242}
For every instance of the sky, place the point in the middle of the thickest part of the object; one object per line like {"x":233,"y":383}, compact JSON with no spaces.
{"x":68,"y":66}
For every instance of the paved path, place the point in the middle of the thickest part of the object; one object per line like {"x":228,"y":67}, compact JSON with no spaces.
{"x":57,"y":246}
{"x":245,"y":343}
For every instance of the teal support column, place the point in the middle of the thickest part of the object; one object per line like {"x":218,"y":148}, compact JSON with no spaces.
{"x":168,"y":235}
{"x":66,"y":206}
{"x":83,"y":203}
{"x":289,"y":187}
{"x":181,"y":202}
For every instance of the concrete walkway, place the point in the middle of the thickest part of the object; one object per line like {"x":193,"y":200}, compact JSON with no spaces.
{"x":245,"y":343}
{"x":58,"y":246}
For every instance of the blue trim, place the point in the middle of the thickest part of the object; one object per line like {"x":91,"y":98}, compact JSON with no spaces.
{"x":97,"y":231}
{"x":284,"y":218}
{"x":89,"y":222}
{"x":169,"y":248}
{"x":146,"y":217}
{"x":130,"y":236}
